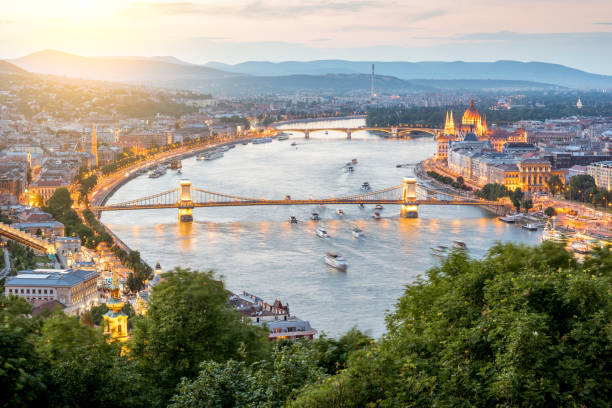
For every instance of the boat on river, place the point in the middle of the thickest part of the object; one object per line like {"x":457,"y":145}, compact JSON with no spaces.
{"x":365,"y":186}
{"x":336,"y":261}
{"x":262,"y":140}
{"x":357,"y":233}
{"x":440,"y":251}
{"x":376,"y":215}
{"x":213,"y":155}
{"x":339,"y":212}
{"x":321,"y":232}
{"x":460,"y":245}
{"x":293,"y":220}
{"x":530,"y":226}
{"x":315,"y":216}
{"x":283,"y":137}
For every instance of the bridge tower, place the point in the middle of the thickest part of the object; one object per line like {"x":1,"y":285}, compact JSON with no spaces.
{"x":394,"y":132}
{"x":410,"y":208}
{"x":348,"y":134}
{"x":185,"y":204}
{"x":306,"y":134}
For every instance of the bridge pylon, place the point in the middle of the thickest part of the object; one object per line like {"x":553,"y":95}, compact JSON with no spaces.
{"x":394,"y":132}
{"x":306,"y":134}
{"x":348,"y":134}
{"x":185,"y":203}
{"x":410,"y":207}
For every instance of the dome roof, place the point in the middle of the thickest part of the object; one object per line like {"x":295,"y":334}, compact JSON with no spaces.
{"x":471,"y":115}
{"x":470,"y":137}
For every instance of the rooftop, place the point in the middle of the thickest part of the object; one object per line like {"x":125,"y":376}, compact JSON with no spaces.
{"x":50,"y":277}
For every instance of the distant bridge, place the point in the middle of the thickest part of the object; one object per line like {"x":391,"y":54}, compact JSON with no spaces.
{"x":393,"y":131}
{"x":408,"y":195}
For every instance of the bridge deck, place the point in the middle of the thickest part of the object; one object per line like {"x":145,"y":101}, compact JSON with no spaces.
{"x":295,"y":202}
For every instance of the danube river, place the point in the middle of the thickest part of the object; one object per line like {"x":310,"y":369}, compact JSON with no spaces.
{"x":257,"y":250}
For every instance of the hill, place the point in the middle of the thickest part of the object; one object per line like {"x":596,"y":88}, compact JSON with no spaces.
{"x":130,"y":69}
{"x":7,"y":67}
{"x":501,"y":70}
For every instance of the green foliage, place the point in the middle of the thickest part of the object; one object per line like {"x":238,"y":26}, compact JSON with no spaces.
{"x":21,"y":257}
{"x":527,"y":205}
{"x":555,"y":185}
{"x":516,"y":197}
{"x":188,"y":321}
{"x":550,"y":212}
{"x":493,"y":192}
{"x":22,"y":373}
{"x":459,"y":183}
{"x":261,"y":384}
{"x":525,"y":326}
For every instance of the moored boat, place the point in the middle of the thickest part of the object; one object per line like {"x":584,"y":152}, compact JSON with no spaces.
{"x":530,"y":227}
{"x":440,"y":251}
{"x":357,"y":233}
{"x":314,"y":216}
{"x":378,"y":207}
{"x":293,"y":220}
{"x":459,"y":245}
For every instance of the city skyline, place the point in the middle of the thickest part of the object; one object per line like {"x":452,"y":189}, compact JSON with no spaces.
{"x":274,"y":31}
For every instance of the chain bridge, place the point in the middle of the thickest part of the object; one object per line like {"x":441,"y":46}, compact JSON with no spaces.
{"x":409,"y":195}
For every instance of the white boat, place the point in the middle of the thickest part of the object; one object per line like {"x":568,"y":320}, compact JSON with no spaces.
{"x":293,"y":220}
{"x":354,"y":161}
{"x":459,"y":245}
{"x":262,"y":140}
{"x":378,"y":207}
{"x":200,"y":157}
{"x":314,"y":216}
{"x":357,"y":233}
{"x":440,"y":251}
{"x":336,"y":261}
{"x":283,"y":137}
{"x":350,"y":169}
{"x":223,"y":149}
{"x":376,"y":215}
{"x":530,"y":227}
{"x":213,"y":155}
{"x":550,"y":233}
{"x":321,"y":232}
{"x":580,"y":246}
{"x":339,"y":211}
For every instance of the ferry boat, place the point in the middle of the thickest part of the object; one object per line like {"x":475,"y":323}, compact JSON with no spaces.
{"x":314,"y":216}
{"x":365,"y":186}
{"x":376,"y":215}
{"x":283,"y":137}
{"x":246,"y":142}
{"x":550,"y":233}
{"x":213,"y":155}
{"x":321,"y":233}
{"x":459,"y":245}
{"x":440,"y":251}
{"x":357,"y":233}
{"x":339,"y":211}
{"x":336,"y":261}
{"x":158,"y":172}
{"x":293,"y":220}
{"x":262,"y":140}
{"x":378,"y":207}
{"x":530,"y":227}
{"x":223,"y":149}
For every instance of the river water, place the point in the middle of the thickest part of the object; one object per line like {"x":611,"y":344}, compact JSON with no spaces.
{"x":256,"y":249}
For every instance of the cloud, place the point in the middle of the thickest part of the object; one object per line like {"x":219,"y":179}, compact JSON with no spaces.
{"x":258,"y":8}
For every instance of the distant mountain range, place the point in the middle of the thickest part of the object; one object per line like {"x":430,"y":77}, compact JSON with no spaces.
{"x":324,"y":77}
{"x":124,"y":69}
{"x":6,"y":66}
{"x":500,"y":70}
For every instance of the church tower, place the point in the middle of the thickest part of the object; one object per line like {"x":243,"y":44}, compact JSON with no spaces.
{"x":449,"y":125}
{"x":115,"y":321}
{"x":94,"y":144}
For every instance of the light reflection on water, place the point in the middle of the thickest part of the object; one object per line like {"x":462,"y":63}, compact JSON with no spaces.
{"x":256,"y":249}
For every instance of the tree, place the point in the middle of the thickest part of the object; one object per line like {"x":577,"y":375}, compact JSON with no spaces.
{"x":555,"y":185}
{"x":527,"y":205}
{"x":59,"y":203}
{"x":517,"y":198}
{"x":524,"y":326}
{"x":581,"y":186}
{"x":493,"y":192}
{"x":188,"y":321}
{"x":550,"y":212}
{"x":22,"y":373}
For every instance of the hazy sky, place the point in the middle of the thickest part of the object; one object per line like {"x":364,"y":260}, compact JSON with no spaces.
{"x":571,"y":32}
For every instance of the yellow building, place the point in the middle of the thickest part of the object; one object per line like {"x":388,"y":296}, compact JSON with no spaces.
{"x":115,"y":321}
{"x":473,"y":122}
{"x":534,"y":174}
